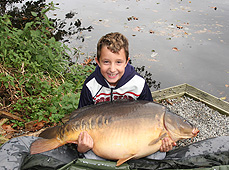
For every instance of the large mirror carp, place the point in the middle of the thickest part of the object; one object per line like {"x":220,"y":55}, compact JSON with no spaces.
{"x":120,"y":130}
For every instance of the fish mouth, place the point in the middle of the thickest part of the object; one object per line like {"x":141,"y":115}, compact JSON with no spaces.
{"x":192,"y":134}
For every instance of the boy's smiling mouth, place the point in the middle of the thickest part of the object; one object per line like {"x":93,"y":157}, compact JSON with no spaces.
{"x":112,"y":75}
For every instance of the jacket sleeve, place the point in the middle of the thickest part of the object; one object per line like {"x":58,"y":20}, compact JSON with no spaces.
{"x":146,"y":94}
{"x":85,"y":97}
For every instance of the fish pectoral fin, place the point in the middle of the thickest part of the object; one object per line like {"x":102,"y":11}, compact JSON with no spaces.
{"x":50,"y":132}
{"x":72,"y":141}
{"x":42,"y":145}
{"x":154,"y":141}
{"x":157,"y":139}
{"x":121,"y":161}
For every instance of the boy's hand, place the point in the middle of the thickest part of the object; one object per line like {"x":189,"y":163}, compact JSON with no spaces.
{"x":85,"y":142}
{"x":167,"y":145}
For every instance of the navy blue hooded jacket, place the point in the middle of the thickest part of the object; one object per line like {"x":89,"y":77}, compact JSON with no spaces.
{"x":131,"y":86}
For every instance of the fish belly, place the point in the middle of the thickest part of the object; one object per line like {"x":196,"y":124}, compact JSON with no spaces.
{"x":124,"y":139}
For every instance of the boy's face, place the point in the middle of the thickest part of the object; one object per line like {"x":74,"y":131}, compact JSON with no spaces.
{"x":112,"y":65}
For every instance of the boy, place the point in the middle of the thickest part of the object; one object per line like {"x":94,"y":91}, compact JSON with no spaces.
{"x":113,"y":79}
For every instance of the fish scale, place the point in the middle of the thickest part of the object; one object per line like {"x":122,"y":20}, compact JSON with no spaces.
{"x":120,"y":130}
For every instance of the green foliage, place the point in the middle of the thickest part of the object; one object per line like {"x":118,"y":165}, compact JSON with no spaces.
{"x":31,"y":48}
{"x":35,"y":73}
{"x":17,"y":123}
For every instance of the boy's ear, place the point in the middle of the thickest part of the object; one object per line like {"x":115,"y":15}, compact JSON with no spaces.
{"x":97,"y":61}
{"x":128,"y":60}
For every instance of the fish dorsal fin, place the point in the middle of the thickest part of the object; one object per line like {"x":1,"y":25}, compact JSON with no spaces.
{"x":42,"y":145}
{"x":121,"y":161}
{"x":158,"y":139}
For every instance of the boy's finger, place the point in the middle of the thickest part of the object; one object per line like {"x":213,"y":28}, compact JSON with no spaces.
{"x":80,"y":137}
{"x":166,"y":141}
{"x":162,"y":148}
{"x":170,"y":142}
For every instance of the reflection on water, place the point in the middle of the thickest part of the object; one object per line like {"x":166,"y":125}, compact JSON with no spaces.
{"x":148,"y":77}
{"x":65,"y":28}
{"x":21,"y":15}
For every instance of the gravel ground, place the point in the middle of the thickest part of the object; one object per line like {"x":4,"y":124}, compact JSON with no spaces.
{"x":210,"y":122}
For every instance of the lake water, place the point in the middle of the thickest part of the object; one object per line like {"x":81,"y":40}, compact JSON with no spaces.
{"x":178,"y":41}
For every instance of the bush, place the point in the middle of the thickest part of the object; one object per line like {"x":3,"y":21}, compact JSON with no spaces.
{"x":37,"y":80}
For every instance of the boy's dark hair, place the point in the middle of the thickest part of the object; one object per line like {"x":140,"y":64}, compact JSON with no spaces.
{"x":114,"y":42}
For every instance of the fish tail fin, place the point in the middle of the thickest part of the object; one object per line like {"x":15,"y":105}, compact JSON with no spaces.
{"x":42,"y":145}
{"x":50,"y":133}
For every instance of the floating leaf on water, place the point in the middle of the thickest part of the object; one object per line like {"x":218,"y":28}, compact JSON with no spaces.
{"x":219,"y":25}
{"x":136,"y":28}
{"x":175,"y":49}
{"x":171,"y":26}
{"x":132,"y":18}
{"x":223,"y":98}
{"x":155,"y":60}
{"x":179,"y":27}
{"x":215,"y":8}
{"x":201,"y":31}
{"x":151,"y":32}
{"x":154,"y":54}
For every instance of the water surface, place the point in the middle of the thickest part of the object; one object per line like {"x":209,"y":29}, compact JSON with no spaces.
{"x":178,"y":41}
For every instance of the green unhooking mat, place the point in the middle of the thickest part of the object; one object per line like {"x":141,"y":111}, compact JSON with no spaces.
{"x":207,"y":155}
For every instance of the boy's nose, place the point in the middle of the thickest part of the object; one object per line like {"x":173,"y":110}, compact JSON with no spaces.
{"x":112,"y":68}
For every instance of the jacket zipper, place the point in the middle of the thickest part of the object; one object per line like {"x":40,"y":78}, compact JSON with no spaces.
{"x":111,"y":94}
